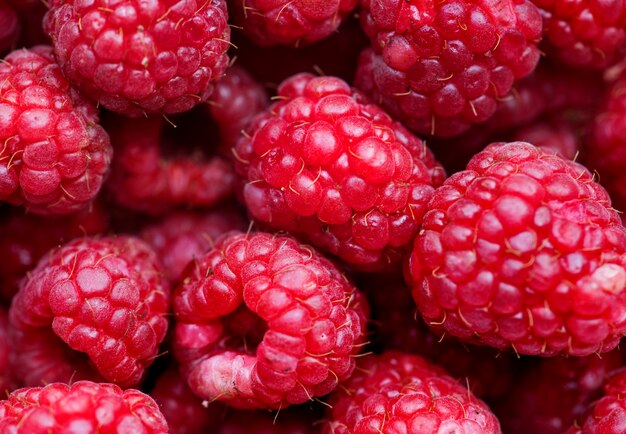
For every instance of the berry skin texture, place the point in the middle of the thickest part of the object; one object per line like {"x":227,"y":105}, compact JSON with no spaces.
{"x":54,"y":156}
{"x":522,"y":250}
{"x":588,"y":33}
{"x":440,"y":67}
{"x":327,"y":166}
{"x":82,"y":407}
{"x":403,"y":393}
{"x":136,"y":57}
{"x":294,"y":23}
{"x":94,"y":308}
{"x":264,"y":321}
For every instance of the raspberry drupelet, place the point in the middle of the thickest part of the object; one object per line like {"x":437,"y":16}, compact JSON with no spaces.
{"x":136,"y":57}
{"x":263,"y":321}
{"x":326,"y":165}
{"x":295,"y":23}
{"x":53,"y":154}
{"x":94,"y":308}
{"x":440,"y":67}
{"x":403,"y":393}
{"x":522,"y":250}
{"x":82,"y":407}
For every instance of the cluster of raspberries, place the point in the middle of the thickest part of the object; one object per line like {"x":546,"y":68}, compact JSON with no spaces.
{"x":374,"y":217}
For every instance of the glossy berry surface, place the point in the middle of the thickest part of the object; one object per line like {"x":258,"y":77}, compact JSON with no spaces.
{"x":94,"y":308}
{"x":136,"y":57}
{"x":263,"y":321}
{"x":328,"y":166}
{"x":522,"y":250}
{"x":54,"y":155}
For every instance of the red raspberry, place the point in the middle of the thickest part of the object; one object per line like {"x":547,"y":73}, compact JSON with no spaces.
{"x":440,"y":67}
{"x":292,"y":420}
{"x":54,"y":155}
{"x":136,"y":57}
{"x":83,"y":407}
{"x":402,"y":393}
{"x":184,"y":236}
{"x":183,"y":410}
{"x":236,"y":100}
{"x":586,"y":33}
{"x":608,"y":415}
{"x":9,"y":27}
{"x":325,"y":164}
{"x":523,"y":250}
{"x":151,"y":176}
{"x":6,"y":382}
{"x":264,"y":321}
{"x":285,"y":22}
{"x":551,"y":393}
{"x":26,"y":238}
{"x":555,"y":134}
{"x":94,"y":307}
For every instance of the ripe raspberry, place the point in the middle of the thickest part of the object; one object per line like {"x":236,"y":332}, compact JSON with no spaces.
{"x":523,"y":250}
{"x":326,"y":165}
{"x":264,"y":322}
{"x":292,"y":23}
{"x":554,"y":134}
{"x":292,"y":420}
{"x":6,"y":382}
{"x":551,"y":393}
{"x":136,"y":57}
{"x":83,"y":407}
{"x":587,"y":33}
{"x":94,"y":307}
{"x":9,"y":27}
{"x":54,"y":154}
{"x":402,"y":393}
{"x":608,"y":415}
{"x":183,"y":410}
{"x":441,"y":67}
{"x":184,"y":236}
{"x":151,"y":177}
{"x":236,"y":100}
{"x":26,"y":238}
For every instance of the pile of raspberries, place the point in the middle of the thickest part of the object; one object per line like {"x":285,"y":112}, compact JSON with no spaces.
{"x":312,"y":216}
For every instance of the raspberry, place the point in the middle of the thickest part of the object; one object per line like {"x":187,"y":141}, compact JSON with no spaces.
{"x":293,"y":23}
{"x":6,"y":382}
{"x":26,"y":238}
{"x":83,"y":407}
{"x":403,"y":393}
{"x":326,"y":165}
{"x":94,"y":307}
{"x":236,"y":100}
{"x":523,"y":250}
{"x":554,"y":134}
{"x":264,"y":322}
{"x":54,"y":155}
{"x":292,"y":420}
{"x":151,"y":177}
{"x":184,"y":236}
{"x":136,"y":57}
{"x":587,"y":33}
{"x":441,"y":67}
{"x":9,"y":27}
{"x":608,"y":415}
{"x":552,"y":393}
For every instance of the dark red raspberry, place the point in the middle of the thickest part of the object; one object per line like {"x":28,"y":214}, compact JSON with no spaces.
{"x":32,"y":14}
{"x":522,"y":250}
{"x":585,"y":33}
{"x":264,"y":321}
{"x":440,"y":67}
{"x":552,"y":393}
{"x":9,"y":27}
{"x":136,"y":57}
{"x":555,"y":134}
{"x":183,"y":410}
{"x":83,"y":407}
{"x":26,"y":238}
{"x":326,"y":165}
{"x":6,"y":380}
{"x":403,"y":393}
{"x":608,"y":415}
{"x":153,"y":174}
{"x":236,"y":100}
{"x":94,"y":308}
{"x":286,"y":22}
{"x":53,"y":154}
{"x":292,"y":420}
{"x":183,"y":236}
